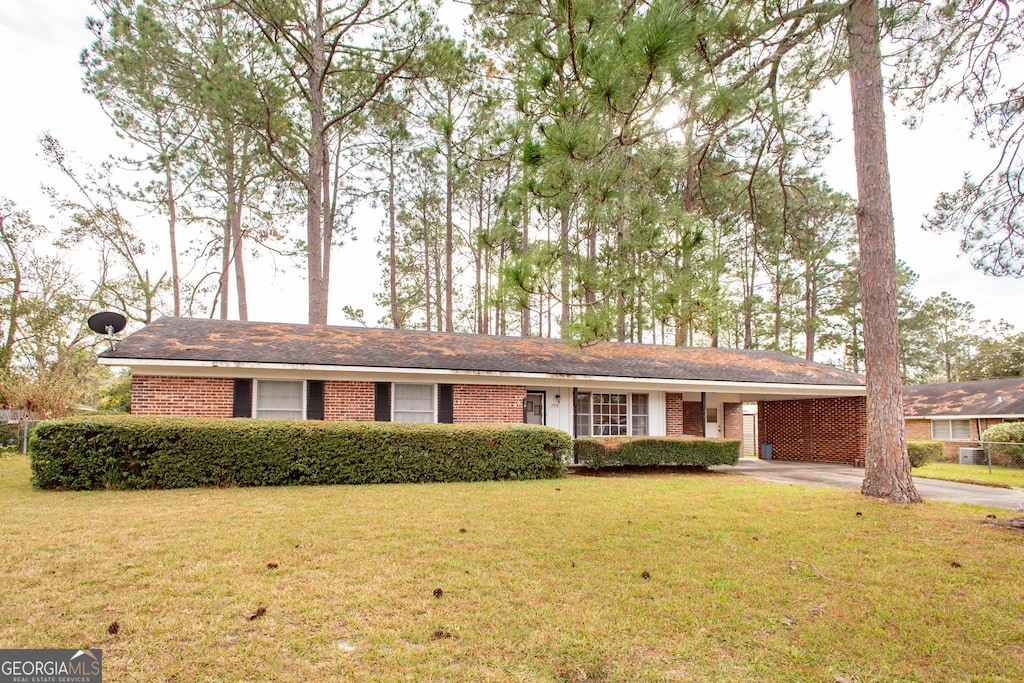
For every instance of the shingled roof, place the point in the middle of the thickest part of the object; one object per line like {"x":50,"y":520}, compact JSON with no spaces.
{"x":204,"y":341}
{"x":987,"y":397}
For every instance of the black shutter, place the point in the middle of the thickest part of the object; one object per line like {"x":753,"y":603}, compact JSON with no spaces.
{"x":446,"y":403}
{"x":382,"y":401}
{"x":242,"y":403}
{"x":314,"y":400}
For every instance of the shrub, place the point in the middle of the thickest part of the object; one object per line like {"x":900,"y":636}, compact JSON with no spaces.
{"x":646,"y":450}
{"x":1010,"y":449}
{"x":923,"y":452}
{"x":9,"y":436}
{"x":126,"y":452}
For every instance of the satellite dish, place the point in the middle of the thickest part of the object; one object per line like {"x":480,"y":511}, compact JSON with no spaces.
{"x":107,"y":322}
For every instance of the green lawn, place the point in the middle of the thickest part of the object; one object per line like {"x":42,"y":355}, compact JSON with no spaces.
{"x":972,"y":474}
{"x":746,"y":581}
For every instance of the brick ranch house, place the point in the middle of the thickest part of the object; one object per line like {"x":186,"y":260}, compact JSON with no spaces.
{"x":218,"y":368}
{"x":957,"y":413}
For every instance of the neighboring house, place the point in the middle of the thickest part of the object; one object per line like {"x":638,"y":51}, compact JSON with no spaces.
{"x":958,"y":413}
{"x":217,"y":368}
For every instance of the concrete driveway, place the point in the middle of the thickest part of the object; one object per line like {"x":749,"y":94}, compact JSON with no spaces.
{"x":848,"y":477}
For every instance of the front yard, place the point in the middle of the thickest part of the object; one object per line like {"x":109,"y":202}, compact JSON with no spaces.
{"x":1005,"y":477}
{"x":664,"y":577}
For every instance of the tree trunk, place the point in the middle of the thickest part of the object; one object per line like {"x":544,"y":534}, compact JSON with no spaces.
{"x":225,"y":263}
{"x":563,"y":247}
{"x":13,"y":310}
{"x":810,"y":314}
{"x":427,"y":284}
{"x":238,"y":255}
{"x":449,"y":237}
{"x":392,"y":239}
{"x":524,"y":320}
{"x":318,"y":159}
{"x":887,"y":473}
{"x":172,"y":228}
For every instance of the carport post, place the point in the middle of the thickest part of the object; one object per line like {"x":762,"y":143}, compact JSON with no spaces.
{"x":704,"y":413}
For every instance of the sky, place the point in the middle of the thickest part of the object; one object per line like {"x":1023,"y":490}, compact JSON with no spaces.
{"x":40,"y":83}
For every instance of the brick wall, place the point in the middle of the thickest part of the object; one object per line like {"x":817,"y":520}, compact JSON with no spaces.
{"x":213,"y":397}
{"x":489,"y":403}
{"x":682,"y":418}
{"x":182,"y":396}
{"x":815,"y":430}
{"x":732,"y":420}
{"x":348,"y":401}
{"x":921,"y":430}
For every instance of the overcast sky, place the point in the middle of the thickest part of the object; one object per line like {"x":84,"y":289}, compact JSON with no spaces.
{"x":40,"y":83}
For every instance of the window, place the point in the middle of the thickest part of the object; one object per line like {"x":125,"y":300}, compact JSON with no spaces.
{"x":582,"y":417}
{"x":712,"y":416}
{"x":413,"y":403}
{"x":279,"y":399}
{"x":641,"y":416}
{"x":599,"y":414}
{"x":609,"y":414}
{"x":951,"y":430}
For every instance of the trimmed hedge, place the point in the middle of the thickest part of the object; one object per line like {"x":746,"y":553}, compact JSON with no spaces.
{"x":923,"y":452}
{"x":135,"y":452}
{"x":597,"y":452}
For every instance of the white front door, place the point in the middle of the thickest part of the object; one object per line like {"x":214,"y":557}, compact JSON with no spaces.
{"x":713,"y":420}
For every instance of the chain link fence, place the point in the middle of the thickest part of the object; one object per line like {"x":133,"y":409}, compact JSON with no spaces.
{"x":1001,"y":454}
{"x":24,"y":431}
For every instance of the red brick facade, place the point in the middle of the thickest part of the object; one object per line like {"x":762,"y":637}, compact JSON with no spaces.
{"x":182,"y":396}
{"x":348,"y":401}
{"x":213,"y":397}
{"x":732,"y":420}
{"x":815,"y":430}
{"x":682,"y":418}
{"x":920,"y":429}
{"x":494,"y":403}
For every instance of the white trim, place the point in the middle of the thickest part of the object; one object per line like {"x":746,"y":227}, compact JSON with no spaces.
{"x":229,"y":369}
{"x":1012,"y":416}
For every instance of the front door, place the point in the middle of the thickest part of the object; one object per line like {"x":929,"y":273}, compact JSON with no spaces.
{"x":533,"y":408}
{"x":713,"y":420}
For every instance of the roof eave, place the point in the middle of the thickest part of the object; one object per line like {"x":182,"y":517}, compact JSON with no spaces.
{"x":967,"y":416}
{"x":162,"y":366}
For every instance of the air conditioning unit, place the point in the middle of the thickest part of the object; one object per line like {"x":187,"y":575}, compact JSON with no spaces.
{"x":972,"y":456}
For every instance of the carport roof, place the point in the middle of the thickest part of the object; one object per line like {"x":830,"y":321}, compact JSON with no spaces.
{"x":981,"y":398}
{"x":200,"y":342}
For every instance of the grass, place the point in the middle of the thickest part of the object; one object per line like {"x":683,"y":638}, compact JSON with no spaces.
{"x":746,"y":581}
{"x":1004,"y":477}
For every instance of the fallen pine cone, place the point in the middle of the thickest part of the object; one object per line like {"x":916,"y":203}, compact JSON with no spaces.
{"x":260,"y":611}
{"x":271,"y":565}
{"x":441,"y":635}
{"x":114,"y":627}
{"x":438,"y":592}
{"x":645,"y":575}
